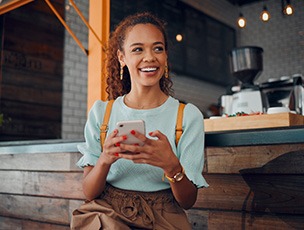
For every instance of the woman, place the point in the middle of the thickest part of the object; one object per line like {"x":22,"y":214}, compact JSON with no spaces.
{"x":126,"y":191}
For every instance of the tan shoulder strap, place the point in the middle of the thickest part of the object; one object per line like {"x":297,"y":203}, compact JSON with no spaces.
{"x":104,"y":126}
{"x":179,"y":122}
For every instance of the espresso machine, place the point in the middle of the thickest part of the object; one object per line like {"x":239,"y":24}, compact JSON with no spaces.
{"x":286,"y":91}
{"x":246,"y":65}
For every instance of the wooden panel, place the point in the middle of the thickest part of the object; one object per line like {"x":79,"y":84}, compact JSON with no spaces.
{"x":10,"y":5}
{"x":51,"y":210}
{"x":234,"y":159}
{"x":225,"y":192}
{"x":19,"y":224}
{"x":203,"y":219}
{"x":36,"y":64}
{"x":255,"y":193}
{"x":261,"y":195}
{"x":253,"y":122}
{"x":68,"y":184}
{"x":31,"y":94}
{"x":30,"y":130}
{"x":40,"y":161}
{"x":32,"y":72}
{"x":198,"y":219}
{"x":244,"y":220}
{"x":33,"y":111}
{"x":11,"y":182}
{"x":40,"y":31}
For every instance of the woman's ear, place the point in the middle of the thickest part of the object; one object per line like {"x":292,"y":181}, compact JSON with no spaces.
{"x":120,"y":57}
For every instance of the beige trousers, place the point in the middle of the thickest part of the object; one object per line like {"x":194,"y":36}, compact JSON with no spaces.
{"x":125,"y":210}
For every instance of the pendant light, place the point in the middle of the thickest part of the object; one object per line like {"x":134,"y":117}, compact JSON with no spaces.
{"x":179,"y":37}
{"x":241,"y":21}
{"x":265,"y":15}
{"x":288,"y":9}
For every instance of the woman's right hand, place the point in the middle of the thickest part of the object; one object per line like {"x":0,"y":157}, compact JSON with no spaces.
{"x":111,"y":149}
{"x":95,"y":176}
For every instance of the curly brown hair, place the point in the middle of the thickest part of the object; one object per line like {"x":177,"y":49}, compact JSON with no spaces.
{"x":117,"y":87}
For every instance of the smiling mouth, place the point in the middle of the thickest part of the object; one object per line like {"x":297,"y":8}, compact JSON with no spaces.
{"x":148,"y":69}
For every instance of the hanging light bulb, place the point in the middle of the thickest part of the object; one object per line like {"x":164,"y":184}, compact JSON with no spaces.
{"x":179,"y":37}
{"x":288,"y":10}
{"x":265,"y":16}
{"x":241,"y":21}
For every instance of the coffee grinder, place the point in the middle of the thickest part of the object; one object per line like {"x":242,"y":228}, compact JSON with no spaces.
{"x":246,"y":65}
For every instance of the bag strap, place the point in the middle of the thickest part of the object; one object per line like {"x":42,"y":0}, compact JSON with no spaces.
{"x":179,"y":123}
{"x":178,"y":128}
{"x":104,"y":126}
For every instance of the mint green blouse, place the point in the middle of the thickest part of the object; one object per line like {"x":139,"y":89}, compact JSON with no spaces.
{"x":127,"y":175}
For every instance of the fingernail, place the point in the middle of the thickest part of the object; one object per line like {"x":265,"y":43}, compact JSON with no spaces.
{"x":136,"y":144}
{"x":116,"y":154}
{"x":115,"y":131}
{"x":132,"y":132}
{"x":150,"y":133}
{"x":124,"y":137}
{"x":117,"y":144}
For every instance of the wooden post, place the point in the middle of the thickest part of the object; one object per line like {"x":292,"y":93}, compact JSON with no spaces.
{"x":99,"y":19}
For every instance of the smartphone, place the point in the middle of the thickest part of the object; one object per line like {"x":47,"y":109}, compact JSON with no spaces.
{"x":125,"y":128}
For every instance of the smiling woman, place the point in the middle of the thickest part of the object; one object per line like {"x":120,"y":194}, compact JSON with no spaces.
{"x":146,"y":61}
{"x":139,"y":81}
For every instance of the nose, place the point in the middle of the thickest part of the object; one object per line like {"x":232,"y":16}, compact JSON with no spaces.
{"x":149,"y":57}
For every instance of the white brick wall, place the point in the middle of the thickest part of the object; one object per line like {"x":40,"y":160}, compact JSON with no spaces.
{"x":282,"y":39}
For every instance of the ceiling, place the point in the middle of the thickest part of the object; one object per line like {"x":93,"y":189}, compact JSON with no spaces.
{"x":243,"y":2}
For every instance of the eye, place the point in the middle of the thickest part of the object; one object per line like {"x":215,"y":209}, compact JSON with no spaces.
{"x":159,"y":49}
{"x":137,"y":49}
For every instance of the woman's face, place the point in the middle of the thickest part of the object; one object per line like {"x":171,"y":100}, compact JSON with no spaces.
{"x":144,"y":55}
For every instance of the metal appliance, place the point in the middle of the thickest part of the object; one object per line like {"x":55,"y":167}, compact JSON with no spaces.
{"x":246,"y":65}
{"x":285,"y":92}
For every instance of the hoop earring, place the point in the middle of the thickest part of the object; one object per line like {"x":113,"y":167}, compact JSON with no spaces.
{"x":166,"y":72}
{"x":121,"y":72}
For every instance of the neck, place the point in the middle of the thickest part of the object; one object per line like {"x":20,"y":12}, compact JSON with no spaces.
{"x":145,"y":101}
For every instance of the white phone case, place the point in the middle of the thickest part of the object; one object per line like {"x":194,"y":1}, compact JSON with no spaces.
{"x":125,"y":128}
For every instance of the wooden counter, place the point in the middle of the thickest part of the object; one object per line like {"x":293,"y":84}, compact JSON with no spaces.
{"x":256,"y":180}
{"x":255,"y":183}
{"x":252,"y":187}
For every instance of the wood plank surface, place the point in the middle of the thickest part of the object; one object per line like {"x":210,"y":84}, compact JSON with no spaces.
{"x":32,"y":54}
{"x":43,"y":209}
{"x":7,"y":223}
{"x":68,"y":184}
{"x":271,"y":158}
{"x":267,"y":194}
{"x":34,"y":111}
{"x":40,"y":161}
{"x":261,"y":221}
{"x":253,"y":122}
{"x":225,"y":192}
{"x":198,"y":218}
{"x":255,"y":193}
{"x":50,"y":97}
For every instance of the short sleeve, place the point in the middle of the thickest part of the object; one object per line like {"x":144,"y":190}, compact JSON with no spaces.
{"x":190,"y":148}
{"x":91,"y":149}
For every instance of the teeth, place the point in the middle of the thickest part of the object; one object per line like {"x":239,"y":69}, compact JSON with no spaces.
{"x":149,"y":69}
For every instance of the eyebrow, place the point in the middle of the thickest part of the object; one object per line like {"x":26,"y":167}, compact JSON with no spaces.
{"x":140,"y":44}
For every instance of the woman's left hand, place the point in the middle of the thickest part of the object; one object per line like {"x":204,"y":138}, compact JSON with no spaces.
{"x":154,"y":152}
